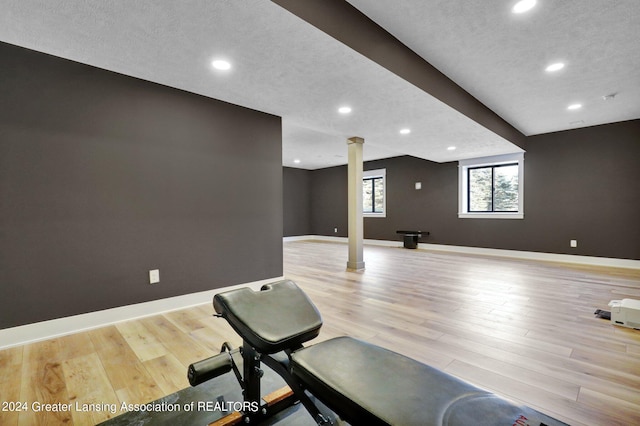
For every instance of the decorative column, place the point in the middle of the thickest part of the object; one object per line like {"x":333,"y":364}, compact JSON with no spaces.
{"x":356,"y":228}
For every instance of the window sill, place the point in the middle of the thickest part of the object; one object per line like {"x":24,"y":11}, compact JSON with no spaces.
{"x":490,"y":215}
{"x":374,"y":215}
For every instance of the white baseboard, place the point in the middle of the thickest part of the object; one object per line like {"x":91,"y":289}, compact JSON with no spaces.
{"x":45,"y":330}
{"x":514,"y":254}
{"x":532,"y":255}
{"x":341,"y":240}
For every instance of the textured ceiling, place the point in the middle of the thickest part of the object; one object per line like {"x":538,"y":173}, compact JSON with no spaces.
{"x":500,"y":57}
{"x":284,"y":66}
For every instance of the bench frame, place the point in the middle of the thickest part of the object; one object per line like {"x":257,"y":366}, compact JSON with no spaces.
{"x":245,"y":362}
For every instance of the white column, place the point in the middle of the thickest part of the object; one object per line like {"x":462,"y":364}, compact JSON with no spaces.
{"x":356,"y":227}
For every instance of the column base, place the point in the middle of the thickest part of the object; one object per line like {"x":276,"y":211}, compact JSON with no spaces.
{"x":355,"y":266}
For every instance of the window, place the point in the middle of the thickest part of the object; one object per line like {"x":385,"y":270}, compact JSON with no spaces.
{"x":374,"y":193}
{"x":492,"y":187}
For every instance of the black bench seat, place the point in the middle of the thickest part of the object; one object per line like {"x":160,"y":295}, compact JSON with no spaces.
{"x":370,"y":385}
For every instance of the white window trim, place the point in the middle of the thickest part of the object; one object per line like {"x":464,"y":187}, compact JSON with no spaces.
{"x":464,"y":165}
{"x":383,"y":174}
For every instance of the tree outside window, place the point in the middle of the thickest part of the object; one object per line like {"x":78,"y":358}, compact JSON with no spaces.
{"x":374,"y":192}
{"x":493,"y":188}
{"x":373,"y":195}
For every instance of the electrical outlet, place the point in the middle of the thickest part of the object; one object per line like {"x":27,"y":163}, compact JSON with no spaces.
{"x":573,"y":243}
{"x":335,"y":230}
{"x":154,"y":276}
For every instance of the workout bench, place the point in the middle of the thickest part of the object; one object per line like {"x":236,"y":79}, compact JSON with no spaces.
{"x":361,"y":383}
{"x":410,"y":238}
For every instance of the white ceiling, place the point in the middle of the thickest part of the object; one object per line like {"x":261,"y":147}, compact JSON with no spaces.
{"x":284,"y":66}
{"x":499,"y":57}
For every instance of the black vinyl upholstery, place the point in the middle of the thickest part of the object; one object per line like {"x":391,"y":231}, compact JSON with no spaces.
{"x":369,"y":385}
{"x":278,"y":317}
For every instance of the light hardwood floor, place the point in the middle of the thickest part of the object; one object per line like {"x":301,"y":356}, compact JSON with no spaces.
{"x":522,"y":329}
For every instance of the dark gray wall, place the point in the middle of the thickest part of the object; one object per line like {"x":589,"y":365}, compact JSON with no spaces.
{"x":329,"y":196}
{"x":104,"y":177}
{"x":586,"y":186}
{"x":297,"y":201}
{"x":579,"y":184}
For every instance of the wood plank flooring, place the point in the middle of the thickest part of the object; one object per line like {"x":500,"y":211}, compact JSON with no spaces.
{"x":522,"y":329}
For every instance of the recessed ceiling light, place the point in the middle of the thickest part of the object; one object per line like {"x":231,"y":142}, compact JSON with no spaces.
{"x":554,"y":67}
{"x":221,"y":64}
{"x":405,"y":131}
{"x":523,"y":6}
{"x":297,"y":161}
{"x":574,"y":106}
{"x":344,"y":110}
{"x":451,"y":148}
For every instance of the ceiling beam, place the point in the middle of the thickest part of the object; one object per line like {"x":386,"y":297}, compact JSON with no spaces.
{"x":345,"y":23}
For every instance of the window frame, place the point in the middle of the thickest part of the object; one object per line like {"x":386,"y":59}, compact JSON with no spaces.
{"x":495,"y":161}
{"x":373,"y":174}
